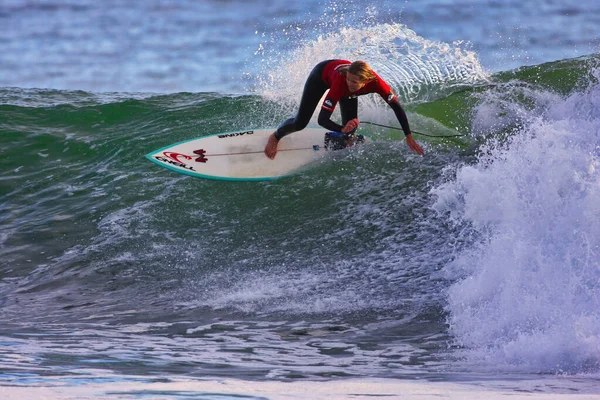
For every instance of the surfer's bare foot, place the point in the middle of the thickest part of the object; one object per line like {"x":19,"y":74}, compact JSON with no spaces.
{"x":271,"y":148}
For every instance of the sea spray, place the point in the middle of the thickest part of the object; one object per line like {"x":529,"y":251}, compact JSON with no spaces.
{"x":417,"y":68}
{"x":527,"y":288}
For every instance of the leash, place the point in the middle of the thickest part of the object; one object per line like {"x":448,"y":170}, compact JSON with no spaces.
{"x":415,"y":132}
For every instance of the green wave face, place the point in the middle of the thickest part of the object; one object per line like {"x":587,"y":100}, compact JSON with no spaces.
{"x":456,"y":111}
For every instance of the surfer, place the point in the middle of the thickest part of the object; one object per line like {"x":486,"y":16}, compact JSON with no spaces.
{"x":345,"y":80}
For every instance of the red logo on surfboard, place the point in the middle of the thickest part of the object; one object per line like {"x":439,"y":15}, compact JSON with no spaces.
{"x":175,"y":156}
{"x":202,"y":154}
{"x":172,"y":158}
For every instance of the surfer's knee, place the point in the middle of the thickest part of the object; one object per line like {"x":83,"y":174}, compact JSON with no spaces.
{"x":300,"y":123}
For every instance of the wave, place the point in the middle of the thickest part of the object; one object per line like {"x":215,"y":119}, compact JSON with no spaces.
{"x":87,"y":222}
{"x":527,"y":292}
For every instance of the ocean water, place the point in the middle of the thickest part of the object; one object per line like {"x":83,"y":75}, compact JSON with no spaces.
{"x":471,"y":272}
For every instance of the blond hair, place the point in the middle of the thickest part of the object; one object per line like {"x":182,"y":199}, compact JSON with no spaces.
{"x":361,"y":69}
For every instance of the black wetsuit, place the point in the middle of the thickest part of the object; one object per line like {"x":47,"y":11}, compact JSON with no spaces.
{"x":324,"y":76}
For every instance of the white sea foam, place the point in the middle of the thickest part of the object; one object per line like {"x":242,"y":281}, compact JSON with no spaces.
{"x":528,"y":289}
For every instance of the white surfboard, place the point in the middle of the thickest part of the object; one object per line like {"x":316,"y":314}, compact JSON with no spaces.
{"x":239,"y":156}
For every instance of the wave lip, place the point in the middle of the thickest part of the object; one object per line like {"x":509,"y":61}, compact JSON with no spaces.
{"x":414,"y":66}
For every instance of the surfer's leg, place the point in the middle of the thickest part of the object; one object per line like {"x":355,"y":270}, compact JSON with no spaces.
{"x":314,"y":89}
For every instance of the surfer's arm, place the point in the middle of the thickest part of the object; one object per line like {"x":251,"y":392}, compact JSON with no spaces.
{"x":401,"y":115}
{"x":326,"y":122}
{"x":388,"y":95}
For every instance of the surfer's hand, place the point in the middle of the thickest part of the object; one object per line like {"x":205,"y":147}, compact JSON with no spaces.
{"x":414,"y":146}
{"x":271,"y":148}
{"x":351,"y":125}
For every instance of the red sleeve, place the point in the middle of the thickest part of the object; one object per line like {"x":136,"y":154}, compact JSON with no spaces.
{"x":384,"y":90}
{"x":336,"y":92}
